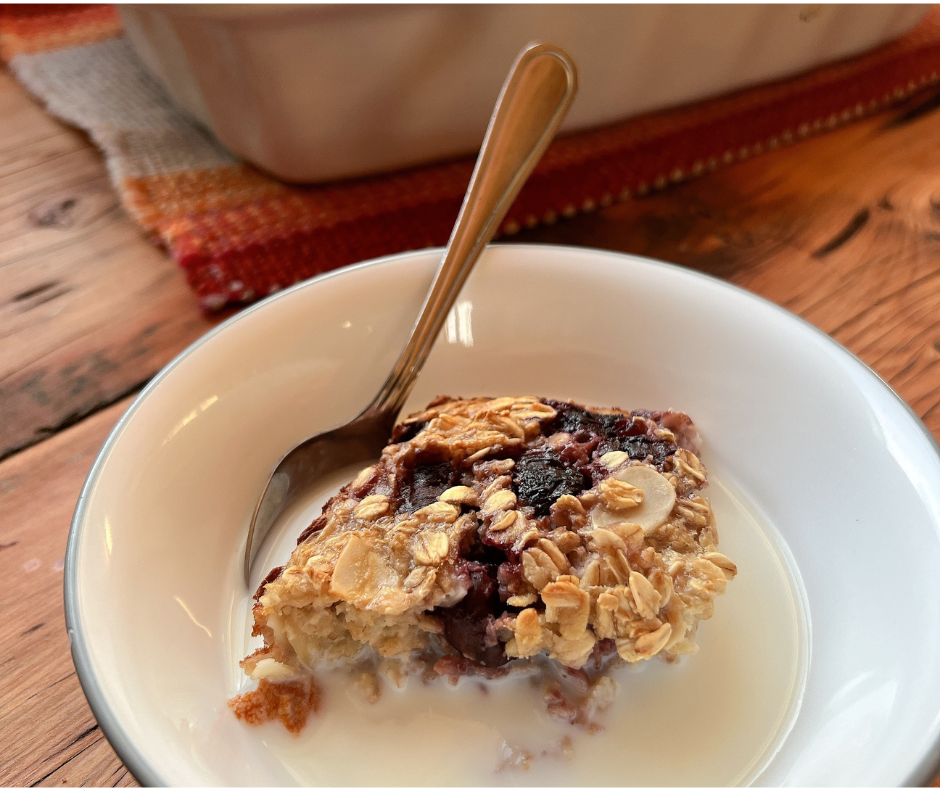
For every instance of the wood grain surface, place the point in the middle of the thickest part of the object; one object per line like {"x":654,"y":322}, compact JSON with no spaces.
{"x":89,"y":311}
{"x":48,"y":732}
{"x":842,"y":229}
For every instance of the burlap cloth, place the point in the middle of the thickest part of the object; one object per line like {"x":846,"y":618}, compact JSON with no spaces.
{"x":240,"y":235}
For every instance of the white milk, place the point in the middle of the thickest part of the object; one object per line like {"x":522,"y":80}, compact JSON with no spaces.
{"x":714,"y":718}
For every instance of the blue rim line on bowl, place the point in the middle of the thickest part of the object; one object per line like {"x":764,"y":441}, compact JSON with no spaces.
{"x":926,"y":770}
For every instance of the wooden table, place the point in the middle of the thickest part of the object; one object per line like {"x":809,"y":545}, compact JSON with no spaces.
{"x":843,"y":229}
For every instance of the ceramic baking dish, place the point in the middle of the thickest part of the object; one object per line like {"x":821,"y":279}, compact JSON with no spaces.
{"x":320,"y":92}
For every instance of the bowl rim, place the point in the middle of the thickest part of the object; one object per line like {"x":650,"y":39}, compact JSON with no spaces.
{"x":926,"y":769}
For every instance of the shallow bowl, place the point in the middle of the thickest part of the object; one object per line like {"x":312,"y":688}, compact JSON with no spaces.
{"x":843,"y":474}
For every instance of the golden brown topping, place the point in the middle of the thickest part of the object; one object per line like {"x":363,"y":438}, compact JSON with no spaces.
{"x":592,"y":574}
{"x":363,"y":476}
{"x":646,"y":598}
{"x":371,"y":507}
{"x":573,"y":653}
{"x":618,"y":496}
{"x":460,"y":495}
{"x":722,"y":562}
{"x":557,"y":556}
{"x":538,"y":567}
{"x":505,"y":520}
{"x":651,"y":643}
{"x":568,"y":512}
{"x":689,"y":465}
{"x":528,"y":638}
{"x":568,"y":606}
{"x":567,"y":541}
{"x":431,"y":548}
{"x":498,"y":501}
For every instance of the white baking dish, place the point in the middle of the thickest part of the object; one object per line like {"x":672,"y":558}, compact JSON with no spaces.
{"x":319,"y":92}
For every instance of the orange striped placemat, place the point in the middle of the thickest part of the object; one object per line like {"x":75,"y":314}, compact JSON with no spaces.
{"x":240,"y":234}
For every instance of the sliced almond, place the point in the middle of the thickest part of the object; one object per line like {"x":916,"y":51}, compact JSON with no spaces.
{"x":659,"y":498}
{"x":362,"y":574}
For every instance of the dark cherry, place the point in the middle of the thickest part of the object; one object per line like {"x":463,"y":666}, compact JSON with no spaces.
{"x":575,"y":420}
{"x":641,"y":447}
{"x":539,"y":479}
{"x":407,"y":431}
{"x":598,"y":433}
{"x":424,"y":485}
{"x":482,"y":553}
{"x":467,"y":622}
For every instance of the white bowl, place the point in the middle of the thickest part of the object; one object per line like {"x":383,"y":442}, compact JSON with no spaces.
{"x":822,"y":450}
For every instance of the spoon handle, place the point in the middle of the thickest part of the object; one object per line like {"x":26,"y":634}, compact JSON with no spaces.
{"x":531,"y":105}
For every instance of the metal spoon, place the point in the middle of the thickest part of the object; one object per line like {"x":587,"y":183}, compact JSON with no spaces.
{"x":531,"y":105}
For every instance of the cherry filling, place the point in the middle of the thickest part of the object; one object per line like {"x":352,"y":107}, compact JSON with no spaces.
{"x":424,"y":485}
{"x":573,"y":420}
{"x":595,"y":434}
{"x":490,"y":571}
{"x":470,"y":625}
{"x":641,"y":447}
{"x":540,"y":479}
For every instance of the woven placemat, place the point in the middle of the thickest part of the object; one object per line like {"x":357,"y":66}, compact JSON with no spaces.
{"x":240,"y":234}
